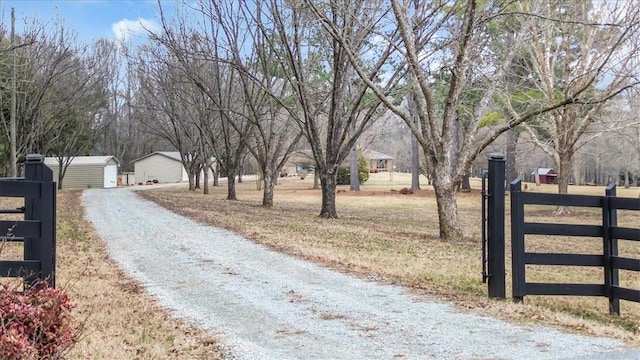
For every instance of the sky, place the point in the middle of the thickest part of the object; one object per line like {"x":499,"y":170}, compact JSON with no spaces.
{"x":91,"y":19}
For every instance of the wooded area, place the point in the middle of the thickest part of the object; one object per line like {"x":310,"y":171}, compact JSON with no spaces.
{"x":550,"y":83}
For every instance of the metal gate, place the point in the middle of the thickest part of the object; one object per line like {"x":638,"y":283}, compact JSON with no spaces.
{"x":38,"y":230}
{"x":493,"y":214}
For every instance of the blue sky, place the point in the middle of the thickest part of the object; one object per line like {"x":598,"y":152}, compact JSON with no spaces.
{"x":89,"y":18}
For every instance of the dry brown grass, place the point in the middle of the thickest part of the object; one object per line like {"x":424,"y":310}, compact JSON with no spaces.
{"x":119,"y":321}
{"x":384,"y":235}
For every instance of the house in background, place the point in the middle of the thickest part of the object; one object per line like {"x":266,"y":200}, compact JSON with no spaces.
{"x":303,"y":160}
{"x":298,"y":161}
{"x":87,"y":172}
{"x":378,"y":162}
{"x":547,"y":175}
{"x":163,"y":167}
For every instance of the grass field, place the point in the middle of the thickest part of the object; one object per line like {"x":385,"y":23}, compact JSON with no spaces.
{"x":384,"y":235}
{"x":118,"y":320}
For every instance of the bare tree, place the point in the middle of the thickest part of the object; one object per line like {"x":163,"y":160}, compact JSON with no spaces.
{"x":623,"y":143}
{"x":39,"y":71}
{"x":10,"y":60}
{"x":118,"y":131}
{"x":273,"y":133}
{"x":332,"y":107}
{"x":74,"y":104}
{"x":161,"y":85}
{"x":579,"y":47}
{"x":450,"y":37}
{"x":194,"y":43}
{"x":59,"y":89}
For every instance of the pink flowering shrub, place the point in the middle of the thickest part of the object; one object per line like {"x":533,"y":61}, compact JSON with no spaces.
{"x":35,"y":324}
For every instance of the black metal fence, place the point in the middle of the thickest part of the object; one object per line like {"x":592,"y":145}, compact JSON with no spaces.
{"x":609,"y":231}
{"x":493,"y":230}
{"x":38,"y":230}
{"x":493,"y":244}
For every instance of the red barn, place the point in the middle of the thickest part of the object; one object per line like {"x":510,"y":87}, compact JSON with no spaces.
{"x":547,"y":176}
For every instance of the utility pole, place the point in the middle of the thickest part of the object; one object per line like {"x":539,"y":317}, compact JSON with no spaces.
{"x":13,"y":170}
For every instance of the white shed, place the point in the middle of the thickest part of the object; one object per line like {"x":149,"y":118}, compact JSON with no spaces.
{"x":87,"y":172}
{"x":163,"y":166}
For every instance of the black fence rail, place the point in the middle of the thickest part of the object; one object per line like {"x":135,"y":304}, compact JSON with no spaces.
{"x":37,"y":231}
{"x":609,"y":231}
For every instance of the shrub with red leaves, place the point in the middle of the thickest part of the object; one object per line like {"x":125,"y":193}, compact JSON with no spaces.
{"x":35,"y":324}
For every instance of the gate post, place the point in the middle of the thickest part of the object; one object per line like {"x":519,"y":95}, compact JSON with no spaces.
{"x":518,"y":277}
{"x":611,"y":275}
{"x":42,"y":208}
{"x":495,"y":234}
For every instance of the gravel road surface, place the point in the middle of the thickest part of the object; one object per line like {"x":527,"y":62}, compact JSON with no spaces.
{"x":266,"y":305}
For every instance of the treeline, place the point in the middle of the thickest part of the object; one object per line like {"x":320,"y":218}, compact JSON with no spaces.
{"x":255,"y":80}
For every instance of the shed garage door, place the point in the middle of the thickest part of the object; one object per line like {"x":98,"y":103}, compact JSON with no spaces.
{"x":110,"y":176}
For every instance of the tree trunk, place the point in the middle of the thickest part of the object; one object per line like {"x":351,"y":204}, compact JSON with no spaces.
{"x":564,"y":173}
{"x":510,"y":158}
{"x":577,"y":178}
{"x":197,"y":177}
{"x":447,"y":208}
{"x":192,"y":181}
{"x":216,"y":175}
{"x":415,"y":151}
{"x":259,"y":180}
{"x":466,"y":184}
{"x":415,"y":164}
{"x":626,"y":179}
{"x":354,"y":181}
{"x":354,"y":170}
{"x":328,"y":184}
{"x":454,"y":149}
{"x":231,"y":182}
{"x":206,"y":181}
{"x":62,"y":169}
{"x":267,"y":195}
{"x":60,"y":177}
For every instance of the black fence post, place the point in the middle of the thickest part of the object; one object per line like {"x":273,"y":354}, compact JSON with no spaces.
{"x":610,"y":247}
{"x":495,"y":233}
{"x":42,"y":208}
{"x":517,"y":241}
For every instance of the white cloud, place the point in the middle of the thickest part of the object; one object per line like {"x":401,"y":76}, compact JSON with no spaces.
{"x":126,"y":28}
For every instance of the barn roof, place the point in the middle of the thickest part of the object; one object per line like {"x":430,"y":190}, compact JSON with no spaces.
{"x":545,"y":171}
{"x":83,"y":160}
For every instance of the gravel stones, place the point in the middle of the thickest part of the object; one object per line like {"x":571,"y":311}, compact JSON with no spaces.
{"x":266,"y":305}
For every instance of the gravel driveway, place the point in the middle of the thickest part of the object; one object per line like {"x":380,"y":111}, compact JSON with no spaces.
{"x":266,"y":305}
